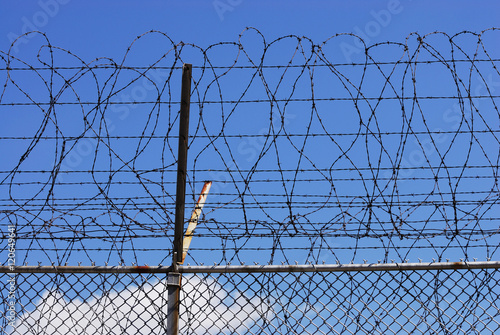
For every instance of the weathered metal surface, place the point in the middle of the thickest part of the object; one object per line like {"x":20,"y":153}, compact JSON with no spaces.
{"x":193,"y":221}
{"x":340,"y":267}
{"x":182,"y":161}
{"x":86,"y":269}
{"x":256,"y":268}
{"x":174,"y":286}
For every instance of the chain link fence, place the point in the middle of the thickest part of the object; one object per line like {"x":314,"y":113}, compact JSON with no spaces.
{"x":355,"y":299}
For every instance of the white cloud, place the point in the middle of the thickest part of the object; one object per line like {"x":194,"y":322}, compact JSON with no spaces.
{"x":206,"y":306}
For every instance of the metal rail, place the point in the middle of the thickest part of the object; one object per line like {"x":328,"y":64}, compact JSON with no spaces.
{"x":258,"y":268}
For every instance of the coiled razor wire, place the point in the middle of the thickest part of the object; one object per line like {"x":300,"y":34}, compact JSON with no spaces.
{"x":313,"y":158}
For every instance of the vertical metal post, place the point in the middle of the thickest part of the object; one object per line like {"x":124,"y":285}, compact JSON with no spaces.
{"x":174,"y":278}
{"x":182,"y":162}
{"x":173,"y":302}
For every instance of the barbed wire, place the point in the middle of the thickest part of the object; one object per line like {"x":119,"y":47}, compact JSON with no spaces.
{"x":392,"y":156}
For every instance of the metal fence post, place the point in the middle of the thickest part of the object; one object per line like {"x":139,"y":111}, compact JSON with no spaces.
{"x":174,"y":278}
{"x":182,"y":162}
{"x":173,"y":302}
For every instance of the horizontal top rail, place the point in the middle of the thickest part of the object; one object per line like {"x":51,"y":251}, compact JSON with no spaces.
{"x":258,"y":268}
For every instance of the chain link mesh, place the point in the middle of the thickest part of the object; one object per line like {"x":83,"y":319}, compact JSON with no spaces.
{"x":407,"y":302}
{"x":88,"y":304}
{"x":374,"y":302}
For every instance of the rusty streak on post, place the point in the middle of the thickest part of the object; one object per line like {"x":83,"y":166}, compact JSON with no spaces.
{"x":194,"y":219}
{"x":182,"y":162}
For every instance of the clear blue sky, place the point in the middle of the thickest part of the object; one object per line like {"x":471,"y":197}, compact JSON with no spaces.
{"x":105,"y":28}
